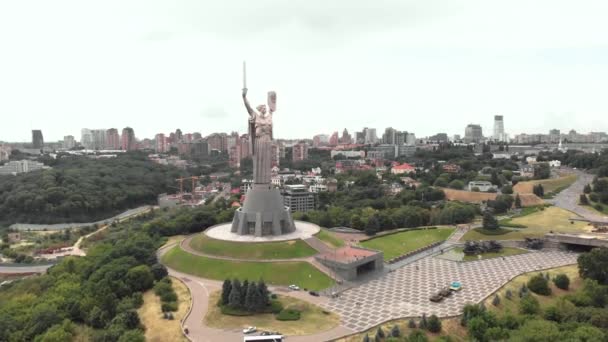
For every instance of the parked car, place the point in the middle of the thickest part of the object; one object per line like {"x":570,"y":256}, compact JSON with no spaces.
{"x":266,"y":333}
{"x":314,"y":293}
{"x":294,"y":287}
{"x":437,"y":297}
{"x":249,"y":330}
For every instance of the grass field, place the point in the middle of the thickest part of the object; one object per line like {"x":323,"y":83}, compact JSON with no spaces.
{"x":300,"y":273}
{"x":400,"y":243}
{"x":157,"y":328}
{"x":252,"y":250}
{"x":553,"y":185}
{"x":312,"y":319}
{"x":329,"y":238}
{"x":467,"y":196}
{"x":524,"y":212}
{"x":538,"y":224}
{"x":507,"y":251}
{"x":515,"y":284}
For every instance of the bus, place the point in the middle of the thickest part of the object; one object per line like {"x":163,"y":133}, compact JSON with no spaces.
{"x":267,"y":338}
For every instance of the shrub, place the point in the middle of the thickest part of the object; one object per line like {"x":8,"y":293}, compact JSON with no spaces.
{"x":168,"y":306}
{"x":423,"y":322}
{"x":168,"y":296}
{"x":539,"y":285}
{"x":417,"y":336}
{"x":411,"y":324}
{"x":562,"y":281}
{"x":395,"y":331}
{"x":380,"y":334}
{"x":288,"y":315}
{"x":529,"y":305}
{"x":434,"y":324}
{"x":508,"y":294}
{"x":366,"y":338}
{"x":496,"y":300}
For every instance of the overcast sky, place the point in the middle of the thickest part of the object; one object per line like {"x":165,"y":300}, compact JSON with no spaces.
{"x":422,"y":66}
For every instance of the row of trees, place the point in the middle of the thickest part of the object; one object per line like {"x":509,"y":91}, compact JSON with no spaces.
{"x":249,"y":296}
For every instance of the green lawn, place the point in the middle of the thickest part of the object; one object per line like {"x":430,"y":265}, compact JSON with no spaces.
{"x":506,"y":251}
{"x":329,"y":238}
{"x":538,"y":224}
{"x":300,"y":273}
{"x":394,"y":245}
{"x":252,"y":250}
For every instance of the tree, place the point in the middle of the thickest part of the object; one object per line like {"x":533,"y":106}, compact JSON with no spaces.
{"x":489,"y":221}
{"x":587,"y":189}
{"x":583,"y":200}
{"x":264,"y":294}
{"x":132,"y":336}
{"x":234,"y":300}
{"x":226,"y":288}
{"x":140,"y":278}
{"x":517,"y":201}
{"x":373,"y":225}
{"x":477,"y":328}
{"x":537,"y":331}
{"x":356,"y":222}
{"x":594,"y":265}
{"x":251,"y":298}
{"x":539,"y":285}
{"x":456,"y":184}
{"x":562,"y":281}
{"x":395,"y":331}
{"x":496,"y":300}
{"x":417,"y":336}
{"x":529,"y":305}
{"x":423,"y":324}
{"x":539,"y":190}
{"x":159,"y":271}
{"x":434,"y":324}
{"x":506,"y":189}
{"x":587,"y":333}
{"x":380,"y":334}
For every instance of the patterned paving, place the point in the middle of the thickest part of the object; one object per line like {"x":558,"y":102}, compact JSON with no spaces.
{"x":405,"y":292}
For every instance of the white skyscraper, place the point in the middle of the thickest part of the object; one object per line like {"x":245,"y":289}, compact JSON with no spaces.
{"x":499,"y":128}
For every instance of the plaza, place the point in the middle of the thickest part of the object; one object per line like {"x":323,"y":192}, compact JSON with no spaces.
{"x":405,"y":292}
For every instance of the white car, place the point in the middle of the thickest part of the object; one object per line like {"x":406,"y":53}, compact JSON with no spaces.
{"x":294,"y":287}
{"x":249,"y":330}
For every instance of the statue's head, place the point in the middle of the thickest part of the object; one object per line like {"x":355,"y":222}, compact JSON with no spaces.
{"x":262,"y":109}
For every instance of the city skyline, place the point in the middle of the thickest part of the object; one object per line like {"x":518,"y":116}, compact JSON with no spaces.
{"x":426,"y":68}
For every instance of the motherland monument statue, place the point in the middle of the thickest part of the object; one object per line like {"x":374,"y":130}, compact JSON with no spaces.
{"x":263,"y":212}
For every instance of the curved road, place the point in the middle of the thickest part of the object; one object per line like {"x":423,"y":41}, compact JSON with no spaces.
{"x":569,"y":197}
{"x":200,"y":290}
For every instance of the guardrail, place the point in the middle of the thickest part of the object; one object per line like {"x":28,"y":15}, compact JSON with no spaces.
{"x":416,"y":251}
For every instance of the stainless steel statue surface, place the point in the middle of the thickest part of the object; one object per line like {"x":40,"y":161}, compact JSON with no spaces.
{"x":263,"y":212}
{"x":260,"y":135}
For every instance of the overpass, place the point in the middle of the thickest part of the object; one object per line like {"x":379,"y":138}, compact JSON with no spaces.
{"x":587,"y":240}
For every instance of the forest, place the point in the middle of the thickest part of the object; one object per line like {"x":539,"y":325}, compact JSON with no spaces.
{"x":80,"y":189}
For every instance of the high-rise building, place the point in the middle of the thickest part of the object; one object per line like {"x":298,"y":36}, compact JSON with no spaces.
{"x":178,"y":135}
{"x":370,"y":136}
{"x":160,"y":143}
{"x":333,"y":140}
{"x":320,"y":140}
{"x":346,"y":138}
{"x":554,"y":135}
{"x":218,"y":142}
{"x":200,"y":149}
{"x":128,"y":139}
{"x":99,"y":139}
{"x":390,"y":136}
{"x":499,"y":128}
{"x":359,"y":137}
{"x":473,"y":133}
{"x":69,"y":142}
{"x":5,"y":152}
{"x":196,"y":136}
{"x":299,"y":151}
{"x":234,"y":156}
{"x":37,"y":139}
{"x":86,"y":138}
{"x":112,"y":139}
{"x":410,"y":139}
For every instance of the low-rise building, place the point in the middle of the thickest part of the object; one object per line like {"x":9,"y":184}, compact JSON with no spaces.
{"x":527,"y":171}
{"x":451,"y":168}
{"x":555,"y":163}
{"x":21,"y":166}
{"x":483,"y":186}
{"x":298,"y":198}
{"x":404,"y":168}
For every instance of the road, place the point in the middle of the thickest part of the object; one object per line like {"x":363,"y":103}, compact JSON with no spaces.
{"x":568,"y":198}
{"x":200,"y":289}
{"x":24,"y":269}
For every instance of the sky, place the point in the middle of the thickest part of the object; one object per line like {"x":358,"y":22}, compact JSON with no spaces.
{"x":420,"y":66}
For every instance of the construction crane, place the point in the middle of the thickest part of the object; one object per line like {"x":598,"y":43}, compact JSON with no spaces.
{"x":181,"y":185}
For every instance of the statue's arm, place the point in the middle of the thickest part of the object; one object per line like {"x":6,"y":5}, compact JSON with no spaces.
{"x":247,"y":105}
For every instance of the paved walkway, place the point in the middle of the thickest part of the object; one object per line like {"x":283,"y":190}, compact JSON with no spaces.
{"x":569,"y":197}
{"x":405,"y":292}
{"x":200,"y":290}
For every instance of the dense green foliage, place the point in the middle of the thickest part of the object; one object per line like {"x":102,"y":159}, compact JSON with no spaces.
{"x":562,"y":281}
{"x":80,"y":189}
{"x":248,"y":297}
{"x":594,"y":265}
{"x":101,"y":290}
{"x":539,"y":285}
